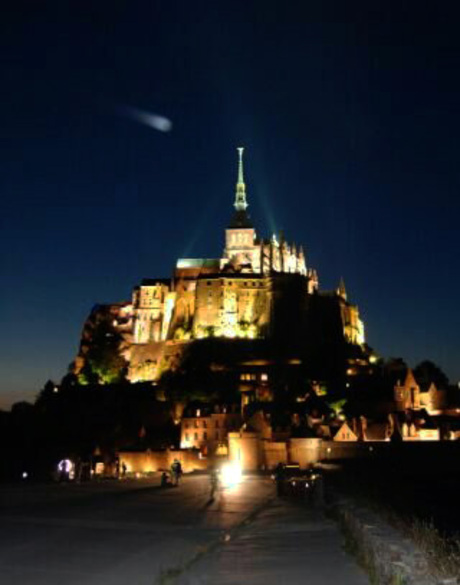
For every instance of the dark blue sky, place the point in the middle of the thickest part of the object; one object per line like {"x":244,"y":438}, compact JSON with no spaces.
{"x":350,"y":116}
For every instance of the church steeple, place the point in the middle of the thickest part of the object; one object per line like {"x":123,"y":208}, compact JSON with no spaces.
{"x":241,"y":217}
{"x":240,"y":195}
{"x":341,"y":290}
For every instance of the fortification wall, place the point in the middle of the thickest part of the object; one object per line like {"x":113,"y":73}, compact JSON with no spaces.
{"x":305,"y":452}
{"x":151,"y":461}
{"x":274,"y":453}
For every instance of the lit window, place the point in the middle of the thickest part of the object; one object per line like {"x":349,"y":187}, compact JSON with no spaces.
{"x":264,"y":377}
{"x":198,"y":412}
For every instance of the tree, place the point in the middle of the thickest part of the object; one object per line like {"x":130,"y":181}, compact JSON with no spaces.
{"x":103,"y":357}
{"x":427,"y":372}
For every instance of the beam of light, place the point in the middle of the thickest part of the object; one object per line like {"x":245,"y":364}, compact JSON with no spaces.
{"x":208,"y":208}
{"x":154,"y":121}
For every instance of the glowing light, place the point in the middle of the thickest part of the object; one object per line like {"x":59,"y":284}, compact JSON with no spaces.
{"x":229,"y":332}
{"x":154,"y":121}
{"x":67,"y":467}
{"x":25,"y":475}
{"x":231,"y":474}
{"x":252,"y":332}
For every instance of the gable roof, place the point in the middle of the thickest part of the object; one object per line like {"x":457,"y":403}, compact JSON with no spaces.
{"x":345,"y":428}
{"x":410,"y":380}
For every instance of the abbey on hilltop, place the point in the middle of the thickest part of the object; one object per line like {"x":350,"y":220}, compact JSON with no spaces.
{"x":260,"y":289}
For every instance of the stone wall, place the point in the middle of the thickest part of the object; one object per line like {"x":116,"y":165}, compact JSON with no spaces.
{"x":274,"y":453}
{"x":151,"y":461}
{"x":245,"y":449}
{"x":305,"y":452}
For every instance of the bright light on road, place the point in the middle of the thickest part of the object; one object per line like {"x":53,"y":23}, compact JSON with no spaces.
{"x":231,"y":474}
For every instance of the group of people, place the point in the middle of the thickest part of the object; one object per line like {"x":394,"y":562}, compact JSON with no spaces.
{"x":172,"y":478}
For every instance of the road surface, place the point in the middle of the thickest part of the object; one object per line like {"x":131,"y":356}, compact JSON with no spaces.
{"x":133,"y":532}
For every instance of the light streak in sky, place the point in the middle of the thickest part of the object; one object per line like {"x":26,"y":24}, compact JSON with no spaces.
{"x":154,"y":121}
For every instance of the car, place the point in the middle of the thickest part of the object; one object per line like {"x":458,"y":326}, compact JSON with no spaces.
{"x":293,"y":481}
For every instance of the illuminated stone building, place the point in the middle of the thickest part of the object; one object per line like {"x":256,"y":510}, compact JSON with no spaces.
{"x":260,"y":289}
{"x":206,"y":428}
{"x":409,"y":395}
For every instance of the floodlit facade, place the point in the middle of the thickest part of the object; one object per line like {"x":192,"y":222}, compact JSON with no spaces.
{"x":207,"y":430}
{"x":229,"y":297}
{"x":410,"y":396}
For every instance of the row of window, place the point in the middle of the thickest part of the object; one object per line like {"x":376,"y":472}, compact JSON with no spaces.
{"x":245,"y":283}
{"x":196,"y":424}
{"x":196,"y":436}
{"x":253,"y":377}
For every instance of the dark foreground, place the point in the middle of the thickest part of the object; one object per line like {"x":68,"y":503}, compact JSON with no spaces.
{"x":114,"y":533}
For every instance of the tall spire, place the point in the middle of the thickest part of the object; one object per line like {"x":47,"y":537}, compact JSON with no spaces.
{"x":241,"y":218}
{"x":341,"y":290}
{"x":240,"y":195}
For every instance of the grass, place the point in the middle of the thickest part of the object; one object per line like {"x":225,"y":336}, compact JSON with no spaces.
{"x":441,"y":552}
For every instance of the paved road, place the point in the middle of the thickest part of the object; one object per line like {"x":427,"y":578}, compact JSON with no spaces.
{"x":114,"y":533}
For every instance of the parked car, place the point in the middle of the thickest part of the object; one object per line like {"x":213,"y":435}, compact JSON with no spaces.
{"x":293,"y":481}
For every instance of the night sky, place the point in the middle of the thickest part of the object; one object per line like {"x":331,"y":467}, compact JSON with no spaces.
{"x":350,"y":116}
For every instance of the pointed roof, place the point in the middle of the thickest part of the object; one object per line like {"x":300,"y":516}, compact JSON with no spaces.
{"x":346,"y":432}
{"x":240,"y":195}
{"x":410,"y":380}
{"x":241,"y":218}
{"x":341,"y":290}
{"x":431,"y":387}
